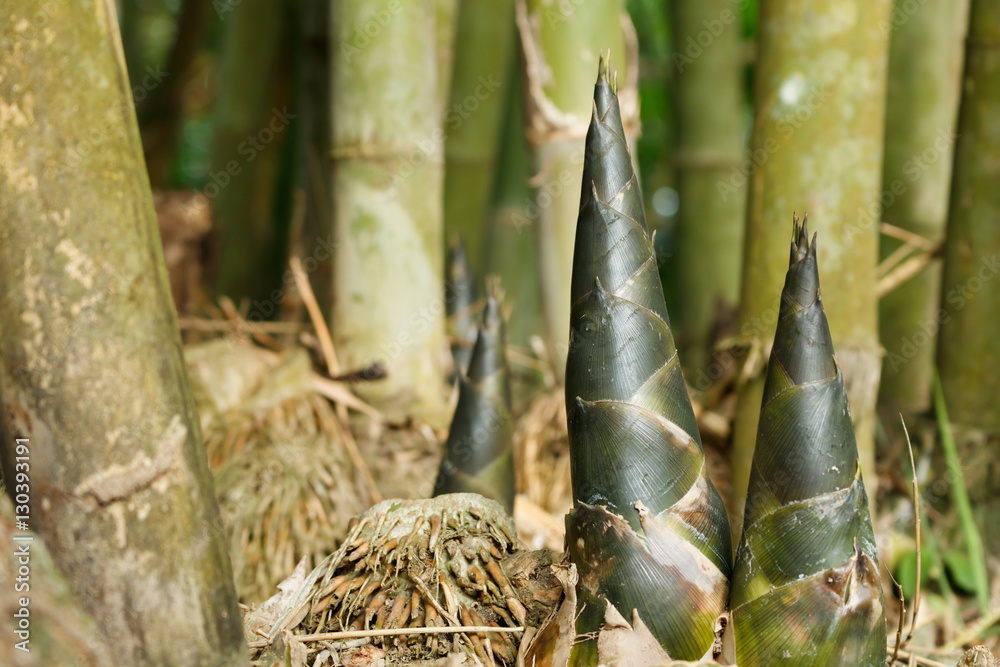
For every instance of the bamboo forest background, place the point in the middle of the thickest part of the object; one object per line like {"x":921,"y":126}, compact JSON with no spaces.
{"x":345,"y":184}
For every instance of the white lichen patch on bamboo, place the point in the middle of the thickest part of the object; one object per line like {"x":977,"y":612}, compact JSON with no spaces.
{"x":79,"y":266}
{"x":16,"y":113}
{"x":119,"y":482}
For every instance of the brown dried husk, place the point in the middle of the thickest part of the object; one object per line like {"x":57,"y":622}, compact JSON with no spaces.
{"x":285,"y":483}
{"x":541,"y":444}
{"x":446,"y":561}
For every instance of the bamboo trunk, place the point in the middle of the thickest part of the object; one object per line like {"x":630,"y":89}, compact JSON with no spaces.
{"x":925,"y":65}
{"x":311,"y":235}
{"x":968,"y":351}
{"x":816,"y":146}
{"x":561,"y":44}
{"x":481,"y":83}
{"x":91,"y":369}
{"x":387,"y":186}
{"x":161,"y":107}
{"x":709,"y":129}
{"x":511,"y":252}
{"x":252,"y":121}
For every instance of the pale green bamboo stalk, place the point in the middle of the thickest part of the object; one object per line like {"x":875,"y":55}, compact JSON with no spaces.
{"x":511,"y":250}
{"x":816,"y":147}
{"x":481,"y":83}
{"x":925,"y":65}
{"x":561,"y":44}
{"x":388,"y":305}
{"x":968,"y":352}
{"x":709,"y":131}
{"x":96,"y":397}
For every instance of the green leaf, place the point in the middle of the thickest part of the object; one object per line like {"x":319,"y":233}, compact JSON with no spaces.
{"x":960,"y":571}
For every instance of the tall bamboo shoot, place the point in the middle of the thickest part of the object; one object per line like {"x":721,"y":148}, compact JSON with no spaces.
{"x":806,"y":587}
{"x":649,"y":534}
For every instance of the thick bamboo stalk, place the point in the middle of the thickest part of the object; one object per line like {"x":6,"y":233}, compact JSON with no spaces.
{"x":561,"y":44}
{"x":709,"y":130}
{"x":806,"y":588}
{"x":511,"y":252}
{"x":925,"y":65}
{"x":250,"y":130}
{"x":481,"y":83}
{"x":94,"y":385}
{"x":388,"y":305}
{"x":816,"y":146}
{"x":968,"y":351}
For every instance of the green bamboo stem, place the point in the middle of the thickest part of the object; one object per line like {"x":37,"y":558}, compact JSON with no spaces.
{"x":388,"y":304}
{"x":246,"y":148}
{"x":816,"y":147}
{"x":511,"y":252}
{"x":460,"y":297}
{"x":561,"y":44}
{"x":709,"y":131}
{"x":94,"y":384}
{"x":161,"y":108}
{"x":925,"y":65}
{"x":968,"y":351}
{"x":481,"y":83}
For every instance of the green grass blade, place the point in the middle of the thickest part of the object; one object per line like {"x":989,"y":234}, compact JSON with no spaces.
{"x":973,"y":540}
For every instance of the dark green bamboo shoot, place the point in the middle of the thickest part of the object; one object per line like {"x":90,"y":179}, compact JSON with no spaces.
{"x":649,"y":533}
{"x":460,"y":300}
{"x":479,"y":455}
{"x":806,"y":587}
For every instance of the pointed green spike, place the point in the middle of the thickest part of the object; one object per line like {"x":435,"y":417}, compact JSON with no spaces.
{"x":806,"y":588}
{"x":460,"y":307}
